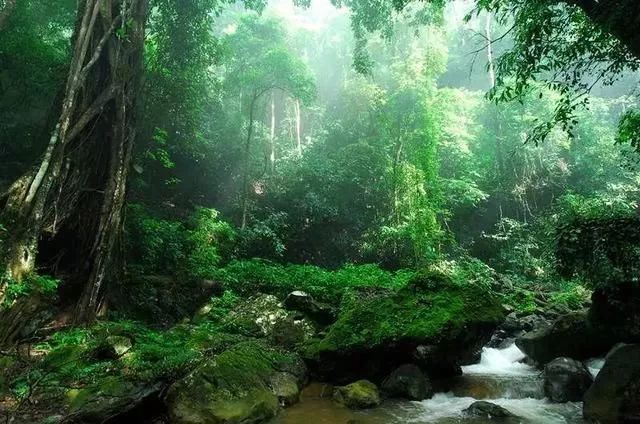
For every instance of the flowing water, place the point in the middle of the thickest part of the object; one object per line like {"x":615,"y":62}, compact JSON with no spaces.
{"x":500,"y":377}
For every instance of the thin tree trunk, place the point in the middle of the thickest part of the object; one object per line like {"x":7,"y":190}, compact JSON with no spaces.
{"x":298,"y":128}
{"x":495,"y":112}
{"x":247,"y":154}
{"x":492,"y":71}
{"x":272,"y":139}
{"x":397,"y":157}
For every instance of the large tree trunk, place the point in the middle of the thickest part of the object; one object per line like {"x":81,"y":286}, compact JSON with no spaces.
{"x":70,"y":206}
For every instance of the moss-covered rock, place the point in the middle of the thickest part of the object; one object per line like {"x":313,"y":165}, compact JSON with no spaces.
{"x":261,"y":315}
{"x":614,"y":317}
{"x":108,"y":398}
{"x":359,"y":395}
{"x":285,"y":387}
{"x":320,"y":313}
{"x":233,"y":387}
{"x":379,"y":330}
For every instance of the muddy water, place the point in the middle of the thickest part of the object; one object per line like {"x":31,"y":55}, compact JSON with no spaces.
{"x":316,"y":407}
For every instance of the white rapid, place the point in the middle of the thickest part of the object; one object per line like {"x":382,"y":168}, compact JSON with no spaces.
{"x":501,"y":378}
{"x":505,"y":362}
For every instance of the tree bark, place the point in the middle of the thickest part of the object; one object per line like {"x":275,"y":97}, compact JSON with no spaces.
{"x":75,"y":196}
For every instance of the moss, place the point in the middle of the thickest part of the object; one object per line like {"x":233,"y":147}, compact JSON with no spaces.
{"x":233,"y":387}
{"x":359,"y":395}
{"x":75,"y":359}
{"x":430,"y":309}
{"x":244,"y":366}
{"x":108,"y":387}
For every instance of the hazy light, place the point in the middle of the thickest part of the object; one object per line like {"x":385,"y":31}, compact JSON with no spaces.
{"x":314,"y":18}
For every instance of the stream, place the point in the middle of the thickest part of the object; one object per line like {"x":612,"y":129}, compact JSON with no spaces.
{"x":500,"y":377}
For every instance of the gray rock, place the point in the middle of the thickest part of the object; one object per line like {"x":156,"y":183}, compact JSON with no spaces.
{"x":491,"y":411}
{"x":408,"y":382}
{"x":566,"y":380}
{"x":296,"y":367}
{"x":285,"y":387}
{"x":614,"y":397}
{"x":514,"y":323}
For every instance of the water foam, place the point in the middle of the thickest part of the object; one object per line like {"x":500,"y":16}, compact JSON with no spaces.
{"x":505,"y":361}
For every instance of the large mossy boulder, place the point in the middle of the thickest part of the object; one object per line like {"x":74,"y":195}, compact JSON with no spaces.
{"x":380,"y":329}
{"x":572,"y":335}
{"x":614,"y":397}
{"x":614,"y":317}
{"x":233,"y":387}
{"x":362,"y":394}
{"x":261,"y":316}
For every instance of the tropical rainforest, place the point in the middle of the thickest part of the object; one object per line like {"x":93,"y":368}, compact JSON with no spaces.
{"x":322,"y":211}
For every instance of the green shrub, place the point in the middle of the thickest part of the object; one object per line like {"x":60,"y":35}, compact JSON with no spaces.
{"x":72,"y":360}
{"x":209,"y":241}
{"x":570,"y":295}
{"x":156,"y":245}
{"x":194,"y":249}
{"x":263,"y":238}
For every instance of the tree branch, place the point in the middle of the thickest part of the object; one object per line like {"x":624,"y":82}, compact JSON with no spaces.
{"x":93,"y":110}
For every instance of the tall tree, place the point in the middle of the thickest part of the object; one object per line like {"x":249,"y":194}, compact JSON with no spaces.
{"x":76,"y":193}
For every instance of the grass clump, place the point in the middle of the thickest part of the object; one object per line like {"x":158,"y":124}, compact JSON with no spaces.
{"x":259,"y":276}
